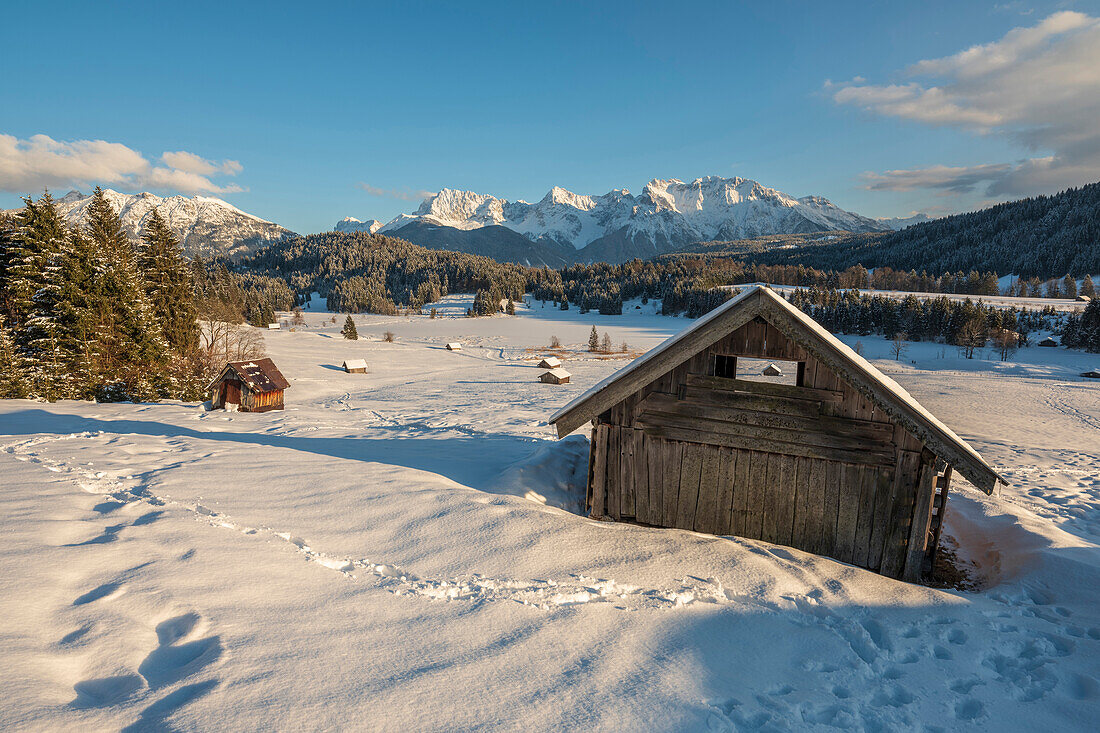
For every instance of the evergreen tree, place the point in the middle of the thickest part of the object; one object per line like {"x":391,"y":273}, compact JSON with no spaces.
{"x":12,"y":384}
{"x":510,"y":309}
{"x":594,"y":340}
{"x":168,"y":284}
{"x":1069,"y":287}
{"x":349,"y":331}
{"x":1088,"y":289}
{"x":131,"y":352}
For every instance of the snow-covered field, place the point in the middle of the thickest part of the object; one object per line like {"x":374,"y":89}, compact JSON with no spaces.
{"x":1061,"y":305}
{"x":402,"y":550}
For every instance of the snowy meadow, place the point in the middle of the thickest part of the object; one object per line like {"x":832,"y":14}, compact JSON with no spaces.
{"x":407,"y":549}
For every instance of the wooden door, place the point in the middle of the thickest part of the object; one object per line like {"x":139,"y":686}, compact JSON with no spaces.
{"x":233,"y":392}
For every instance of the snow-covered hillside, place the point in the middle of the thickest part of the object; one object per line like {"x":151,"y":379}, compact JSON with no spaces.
{"x":403,"y":550}
{"x":617,"y":225}
{"x":205,"y":225}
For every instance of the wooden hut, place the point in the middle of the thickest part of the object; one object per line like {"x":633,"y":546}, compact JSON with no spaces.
{"x":1091,"y":374}
{"x":844,"y":463}
{"x":1048,"y":342}
{"x":550,"y":362}
{"x":454,"y":346}
{"x":273,"y":327}
{"x":354,"y":366}
{"x":771,"y":370}
{"x":555,"y":376}
{"x":251,"y":386}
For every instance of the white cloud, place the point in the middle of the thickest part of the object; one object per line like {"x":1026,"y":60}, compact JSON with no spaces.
{"x":1039,"y":87}
{"x":392,"y":193}
{"x":27,"y":166}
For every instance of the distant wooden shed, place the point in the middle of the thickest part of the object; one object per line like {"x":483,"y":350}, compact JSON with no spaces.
{"x":251,"y":386}
{"x":771,"y":370}
{"x":454,"y":346}
{"x":550,"y":362}
{"x":1048,"y":342}
{"x":1091,"y":374}
{"x":555,"y":376}
{"x":845,"y":463}
{"x":354,"y":366}
{"x":273,"y":327}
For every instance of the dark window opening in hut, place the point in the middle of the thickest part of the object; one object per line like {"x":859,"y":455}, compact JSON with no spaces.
{"x":772,"y":371}
{"x":725,"y":365}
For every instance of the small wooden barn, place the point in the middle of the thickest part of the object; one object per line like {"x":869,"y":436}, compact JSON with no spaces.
{"x":771,"y":370}
{"x":1091,"y":374}
{"x":555,"y":376}
{"x":253,"y":386}
{"x":354,"y":366}
{"x":843,"y":463}
{"x":550,"y":362}
{"x":273,"y":327}
{"x":454,"y":346}
{"x":1048,"y":342}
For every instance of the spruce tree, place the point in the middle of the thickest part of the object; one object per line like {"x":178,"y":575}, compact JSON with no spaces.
{"x":1088,"y":289}
{"x":12,"y":383}
{"x":594,"y":340}
{"x":1069,"y":287}
{"x":168,"y":284}
{"x":132,"y":354}
{"x":348,"y":330}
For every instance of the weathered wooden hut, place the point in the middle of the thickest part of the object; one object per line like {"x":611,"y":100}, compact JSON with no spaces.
{"x":1091,"y":374}
{"x":354,"y":366}
{"x":550,"y":362}
{"x":555,"y":376}
{"x":843,"y":463}
{"x":771,"y":370}
{"x":252,"y":386}
{"x":454,"y":346}
{"x":1048,"y":342}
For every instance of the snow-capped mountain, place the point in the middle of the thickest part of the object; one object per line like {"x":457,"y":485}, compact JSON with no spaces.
{"x":351,"y":224}
{"x":205,"y":225}
{"x":897,"y":223}
{"x":617,"y":226}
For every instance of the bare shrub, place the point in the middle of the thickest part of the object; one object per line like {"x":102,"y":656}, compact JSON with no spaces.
{"x":388,"y":337}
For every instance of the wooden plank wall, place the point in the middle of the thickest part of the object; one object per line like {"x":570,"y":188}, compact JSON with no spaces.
{"x":851,"y":494}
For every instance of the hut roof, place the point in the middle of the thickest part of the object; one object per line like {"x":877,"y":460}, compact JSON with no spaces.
{"x":550,"y":362}
{"x":772,"y":370}
{"x":354,"y":364}
{"x":259,"y":375}
{"x":756,"y":301}
{"x":559,"y":373}
{"x":454,"y":346}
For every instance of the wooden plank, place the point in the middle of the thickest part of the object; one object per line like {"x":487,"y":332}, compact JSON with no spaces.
{"x":865,"y":524}
{"x":655,"y":456}
{"x":674,"y":456}
{"x":742,"y":494}
{"x":641,"y":476}
{"x":831,"y":478}
{"x":769,"y":526}
{"x":903,"y":493}
{"x":747,"y":401}
{"x":863,"y":429}
{"x":681,"y":414}
{"x":726,"y":486}
{"x":800,"y":530}
{"x":884,"y":510}
{"x":688,"y":498}
{"x":691,"y":434}
{"x":787,"y":500}
{"x":613,"y":476}
{"x":917,"y":544}
{"x":765,"y":388}
{"x":598,"y":472}
{"x":626,"y":472}
{"x":815,"y":487}
{"x":706,"y":512}
{"x":754,"y":504}
{"x":851,"y":480}
{"x":944,"y":485}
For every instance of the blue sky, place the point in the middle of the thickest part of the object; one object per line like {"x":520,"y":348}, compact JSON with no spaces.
{"x":316,"y":112}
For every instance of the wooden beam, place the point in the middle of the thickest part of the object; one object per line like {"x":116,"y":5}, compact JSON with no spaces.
{"x":918,"y":528}
{"x":765,"y":388}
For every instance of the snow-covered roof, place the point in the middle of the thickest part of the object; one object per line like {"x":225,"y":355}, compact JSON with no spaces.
{"x":454,"y":346}
{"x":558,"y":372}
{"x":551,"y":362}
{"x":760,"y":301}
{"x":354,"y":364}
{"x":259,"y":375}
